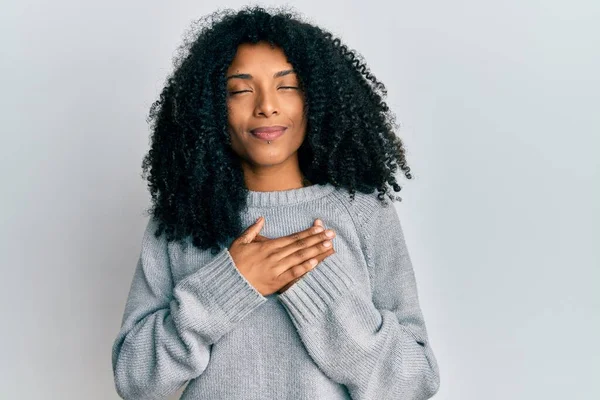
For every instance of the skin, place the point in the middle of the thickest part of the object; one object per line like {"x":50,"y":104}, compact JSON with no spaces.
{"x":263,"y":90}
{"x":263,"y":99}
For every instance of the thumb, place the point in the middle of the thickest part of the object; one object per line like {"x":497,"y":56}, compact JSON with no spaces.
{"x":251,"y":232}
{"x":260,"y":238}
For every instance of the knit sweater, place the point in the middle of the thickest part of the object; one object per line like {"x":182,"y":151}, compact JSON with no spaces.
{"x":351,"y":328}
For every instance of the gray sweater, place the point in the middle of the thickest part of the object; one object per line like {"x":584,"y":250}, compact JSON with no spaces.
{"x":351,"y":328}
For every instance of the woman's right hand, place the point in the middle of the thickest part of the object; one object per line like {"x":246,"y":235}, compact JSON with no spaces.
{"x":272,"y":264}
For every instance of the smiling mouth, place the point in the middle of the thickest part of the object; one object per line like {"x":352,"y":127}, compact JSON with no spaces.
{"x":270,"y":135}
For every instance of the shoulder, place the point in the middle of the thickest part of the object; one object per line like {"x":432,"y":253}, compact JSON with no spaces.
{"x":151,"y":229}
{"x":154,"y":239}
{"x":366,"y":210}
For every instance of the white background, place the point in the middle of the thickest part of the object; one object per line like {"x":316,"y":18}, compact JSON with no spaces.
{"x":499,"y":107}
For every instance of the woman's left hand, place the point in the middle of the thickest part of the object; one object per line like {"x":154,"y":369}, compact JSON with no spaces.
{"x":319,"y":258}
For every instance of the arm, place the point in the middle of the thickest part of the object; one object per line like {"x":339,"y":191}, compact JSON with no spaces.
{"x":378,"y":347}
{"x":167,"y":330}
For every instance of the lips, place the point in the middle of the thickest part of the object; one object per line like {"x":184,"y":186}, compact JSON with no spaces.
{"x":268,"y":132}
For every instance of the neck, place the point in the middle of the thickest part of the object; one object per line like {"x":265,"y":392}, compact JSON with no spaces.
{"x":275,"y":177}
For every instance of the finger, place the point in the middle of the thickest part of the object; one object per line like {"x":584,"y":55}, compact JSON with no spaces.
{"x":318,"y":258}
{"x":260,"y":238}
{"x":250,"y":233}
{"x":324,"y":255}
{"x":302,"y":251}
{"x":283,"y":241}
{"x":296,"y":271}
{"x":306,"y":242}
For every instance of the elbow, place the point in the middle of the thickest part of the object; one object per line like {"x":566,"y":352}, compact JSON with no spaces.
{"x":424,"y":385}
{"x":129,"y":381}
{"x":127,"y":391}
{"x":133,"y":381}
{"x":432,"y":383}
{"x":129,"y":386}
{"x":431,"y":375}
{"x":135,"y":388}
{"x":424,"y":371}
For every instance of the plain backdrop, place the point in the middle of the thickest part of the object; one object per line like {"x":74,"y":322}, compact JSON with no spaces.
{"x":498,"y":103}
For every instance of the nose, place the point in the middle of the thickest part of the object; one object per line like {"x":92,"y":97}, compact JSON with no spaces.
{"x":266,"y":103}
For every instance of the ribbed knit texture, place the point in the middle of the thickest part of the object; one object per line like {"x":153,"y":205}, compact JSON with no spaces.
{"x":351,"y":328}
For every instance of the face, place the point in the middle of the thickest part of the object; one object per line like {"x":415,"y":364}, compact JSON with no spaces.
{"x":263,"y":91}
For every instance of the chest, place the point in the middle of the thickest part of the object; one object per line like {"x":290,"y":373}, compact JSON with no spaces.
{"x":347,"y":243}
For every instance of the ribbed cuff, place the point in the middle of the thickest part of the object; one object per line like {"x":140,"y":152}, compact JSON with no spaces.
{"x":317,"y":291}
{"x":223,"y":287}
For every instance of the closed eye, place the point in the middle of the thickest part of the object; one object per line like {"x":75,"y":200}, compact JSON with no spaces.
{"x":240,"y":91}
{"x":280,"y":87}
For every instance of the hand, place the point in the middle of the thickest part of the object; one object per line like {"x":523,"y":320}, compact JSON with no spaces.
{"x":319,"y":258}
{"x":270,"y":264}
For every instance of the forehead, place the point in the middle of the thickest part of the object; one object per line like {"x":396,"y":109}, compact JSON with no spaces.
{"x":258,"y":56}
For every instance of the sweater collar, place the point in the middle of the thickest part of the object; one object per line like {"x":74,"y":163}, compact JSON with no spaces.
{"x":287,"y":197}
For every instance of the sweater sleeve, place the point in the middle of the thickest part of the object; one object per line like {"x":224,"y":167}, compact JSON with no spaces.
{"x":377,"y":347}
{"x":167,"y":330}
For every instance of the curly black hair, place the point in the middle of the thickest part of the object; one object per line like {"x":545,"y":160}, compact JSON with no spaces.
{"x":195,"y":179}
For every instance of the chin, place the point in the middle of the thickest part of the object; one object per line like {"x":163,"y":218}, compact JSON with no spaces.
{"x":271,"y":156}
{"x":268,"y":161}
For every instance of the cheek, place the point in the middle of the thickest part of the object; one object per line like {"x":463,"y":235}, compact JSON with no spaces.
{"x":230,"y":112}
{"x":233,"y":117}
{"x":295,"y":110}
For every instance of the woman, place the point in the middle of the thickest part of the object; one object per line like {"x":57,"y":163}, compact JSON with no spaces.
{"x":269,"y":131}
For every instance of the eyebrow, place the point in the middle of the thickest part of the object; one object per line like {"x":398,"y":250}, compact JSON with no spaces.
{"x":275,"y":75}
